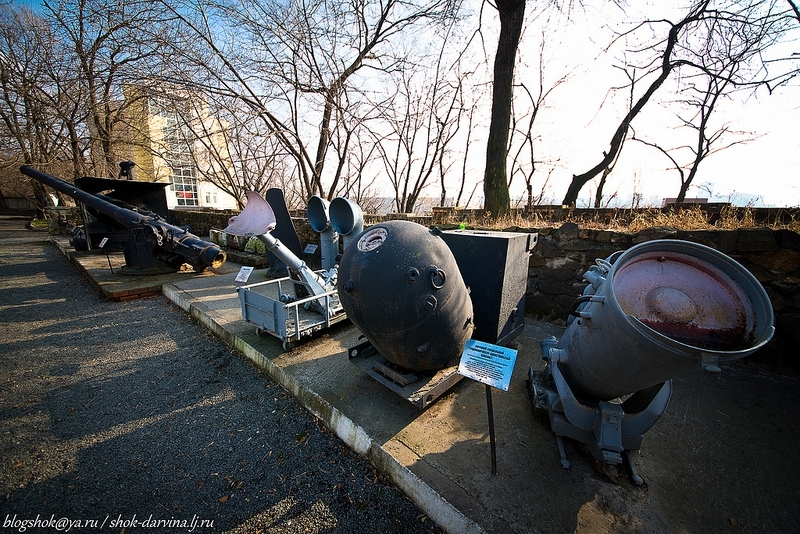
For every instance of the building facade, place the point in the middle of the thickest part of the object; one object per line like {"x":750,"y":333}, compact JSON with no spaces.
{"x":180,"y":143}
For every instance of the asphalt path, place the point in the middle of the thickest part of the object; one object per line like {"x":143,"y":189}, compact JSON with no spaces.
{"x":130,"y":416}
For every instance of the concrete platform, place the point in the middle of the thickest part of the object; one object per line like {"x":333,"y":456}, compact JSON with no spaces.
{"x":723,"y":457}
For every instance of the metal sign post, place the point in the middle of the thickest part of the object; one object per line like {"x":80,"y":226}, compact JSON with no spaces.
{"x":491,"y":365}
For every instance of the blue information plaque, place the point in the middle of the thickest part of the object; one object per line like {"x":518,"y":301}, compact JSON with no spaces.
{"x":486,"y":363}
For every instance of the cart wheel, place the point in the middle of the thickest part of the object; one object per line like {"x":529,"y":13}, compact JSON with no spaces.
{"x":263,"y":334}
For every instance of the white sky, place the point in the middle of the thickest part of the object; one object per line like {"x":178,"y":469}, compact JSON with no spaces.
{"x":765,"y":171}
{"x":767,"y":167}
{"x":576,"y":130}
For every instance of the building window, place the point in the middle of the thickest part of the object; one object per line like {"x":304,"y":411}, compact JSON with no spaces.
{"x":184,"y":183}
{"x":178,"y":148}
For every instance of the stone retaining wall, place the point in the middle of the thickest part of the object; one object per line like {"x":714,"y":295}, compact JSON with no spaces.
{"x":564,"y":253}
{"x":200,"y":222}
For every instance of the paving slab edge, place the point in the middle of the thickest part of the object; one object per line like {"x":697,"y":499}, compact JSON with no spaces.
{"x":354,"y":436}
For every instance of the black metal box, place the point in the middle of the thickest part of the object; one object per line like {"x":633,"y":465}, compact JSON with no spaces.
{"x":494,"y":266}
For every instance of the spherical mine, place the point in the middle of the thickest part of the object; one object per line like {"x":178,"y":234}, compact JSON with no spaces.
{"x":400,"y":285}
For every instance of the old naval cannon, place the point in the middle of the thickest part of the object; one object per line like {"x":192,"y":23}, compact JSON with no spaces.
{"x":650,"y":314}
{"x":150,"y":245}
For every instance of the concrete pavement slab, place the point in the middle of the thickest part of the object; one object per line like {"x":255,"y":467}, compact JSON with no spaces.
{"x":722,"y":458}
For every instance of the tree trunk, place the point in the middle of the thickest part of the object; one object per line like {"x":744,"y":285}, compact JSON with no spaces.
{"x":497,"y":201}
{"x":598,"y":196}
{"x":688,"y":181}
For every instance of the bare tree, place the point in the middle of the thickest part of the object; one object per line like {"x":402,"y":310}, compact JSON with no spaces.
{"x":701,"y":34}
{"x":404,"y":120}
{"x":355,"y":177}
{"x":524,"y":160}
{"x":598,"y":195}
{"x":291,"y":62}
{"x":33,"y":101}
{"x":361,"y":183}
{"x":724,"y":68}
{"x":664,"y":68}
{"x":702,"y":102}
{"x":422,"y":120}
{"x":468,"y":141}
{"x":449,"y":122}
{"x":110,"y":41}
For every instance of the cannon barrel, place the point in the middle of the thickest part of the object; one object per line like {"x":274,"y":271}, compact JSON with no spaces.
{"x":152,"y":241}
{"x":124,"y":217}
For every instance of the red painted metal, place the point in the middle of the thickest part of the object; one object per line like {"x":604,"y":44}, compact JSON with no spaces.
{"x":686,"y":299}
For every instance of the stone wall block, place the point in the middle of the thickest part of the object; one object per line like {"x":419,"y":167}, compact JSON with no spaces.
{"x":787,"y":287}
{"x":654,"y":232}
{"x":551,"y":286}
{"x":536,"y":261}
{"x":576,"y":265}
{"x":568,"y":230}
{"x":756,"y":240}
{"x":727,"y":240}
{"x":547,"y":248}
{"x":622,"y":240}
{"x":576,"y":245}
{"x":780,"y":260}
{"x":721,"y":240}
{"x":788,"y":239}
{"x":709,"y":238}
{"x":558,"y":274}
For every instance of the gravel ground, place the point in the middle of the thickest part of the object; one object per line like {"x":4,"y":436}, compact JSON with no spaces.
{"x":131,"y":413}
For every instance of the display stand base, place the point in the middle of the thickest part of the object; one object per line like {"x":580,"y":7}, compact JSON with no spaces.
{"x":419,"y":388}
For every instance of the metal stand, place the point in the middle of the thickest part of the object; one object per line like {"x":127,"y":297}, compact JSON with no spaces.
{"x":610,"y":429}
{"x":275,"y":310}
{"x":491,"y":428}
{"x":420,"y":389}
